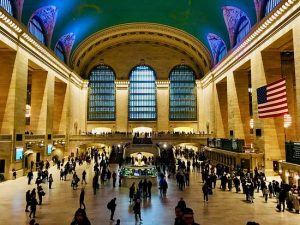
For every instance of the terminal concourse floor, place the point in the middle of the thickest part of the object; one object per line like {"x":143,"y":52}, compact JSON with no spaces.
{"x":60,"y":203}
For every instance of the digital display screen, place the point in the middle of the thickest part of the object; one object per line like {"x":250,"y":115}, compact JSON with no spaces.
{"x":19,"y":153}
{"x":49,"y":149}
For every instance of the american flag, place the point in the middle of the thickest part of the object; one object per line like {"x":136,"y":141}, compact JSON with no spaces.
{"x":272,"y":100}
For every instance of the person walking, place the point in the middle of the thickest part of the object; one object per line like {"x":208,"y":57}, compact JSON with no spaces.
{"x":118,"y":222}
{"x":149,"y":187}
{"x":114,"y":176}
{"x":30,"y":177}
{"x":41,"y":193}
{"x":131,"y":191}
{"x":112,"y":207}
{"x":50,"y":180}
{"x":81,"y":199}
{"x":137,"y":210}
{"x":33,"y":204}
{"x":205,"y":190}
{"x":266,"y":193}
{"x":95,"y":184}
{"x":28,"y":198}
{"x":83,"y":177}
{"x":181,"y":203}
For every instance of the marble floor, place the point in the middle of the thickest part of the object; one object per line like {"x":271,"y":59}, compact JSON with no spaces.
{"x":60,"y":203}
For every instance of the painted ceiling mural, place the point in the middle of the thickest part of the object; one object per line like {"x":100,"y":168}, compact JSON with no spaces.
{"x":83,"y":18}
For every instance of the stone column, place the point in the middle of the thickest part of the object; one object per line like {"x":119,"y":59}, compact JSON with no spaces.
{"x":238,"y":104}
{"x":13,"y":84}
{"x":38,"y":117}
{"x":296,"y":44}
{"x":122,"y":106}
{"x":162,"y":93}
{"x":209,"y":109}
{"x":221,"y":109}
{"x":200,"y":105}
{"x":60,"y":107}
{"x":266,"y":68}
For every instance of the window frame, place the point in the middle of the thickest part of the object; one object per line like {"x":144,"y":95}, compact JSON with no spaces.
{"x":12,"y":5}
{"x":62,"y":51}
{"x":41,"y":29}
{"x":155,"y":94}
{"x":238,"y":30}
{"x":265,"y":12}
{"x":108,"y":68}
{"x":194,"y":94}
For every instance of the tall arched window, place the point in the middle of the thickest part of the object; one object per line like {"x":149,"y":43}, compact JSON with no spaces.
{"x":142,"y":95}
{"x":222,"y":51}
{"x":270,"y":5}
{"x":7,"y":5}
{"x":242,"y":29}
{"x":102,"y":103}
{"x":183,"y":98}
{"x":59,"y":51}
{"x":35,"y":28}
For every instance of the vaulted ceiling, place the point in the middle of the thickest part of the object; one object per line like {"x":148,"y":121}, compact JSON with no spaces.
{"x":84,"y":18}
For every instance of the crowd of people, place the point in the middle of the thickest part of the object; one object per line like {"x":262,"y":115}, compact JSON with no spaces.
{"x":169,"y":167}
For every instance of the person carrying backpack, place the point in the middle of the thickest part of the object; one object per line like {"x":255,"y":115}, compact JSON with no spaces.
{"x":112,"y":207}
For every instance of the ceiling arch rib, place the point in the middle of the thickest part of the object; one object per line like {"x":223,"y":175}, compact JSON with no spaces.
{"x":140,"y":32}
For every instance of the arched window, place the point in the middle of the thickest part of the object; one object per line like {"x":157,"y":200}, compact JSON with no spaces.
{"x":222,"y":51}
{"x":242,"y":29}
{"x":36,"y":29}
{"x":59,"y":51}
{"x":270,"y":5}
{"x":7,"y":5}
{"x":183,"y":98}
{"x":102,"y":103}
{"x":142,"y":94}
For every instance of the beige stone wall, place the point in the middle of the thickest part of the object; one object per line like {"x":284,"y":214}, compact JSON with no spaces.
{"x":60,"y":108}
{"x":238,"y":105}
{"x":162,"y":93}
{"x":209,"y":109}
{"x":221,"y":109}
{"x":122,"y":107}
{"x":125,"y":57}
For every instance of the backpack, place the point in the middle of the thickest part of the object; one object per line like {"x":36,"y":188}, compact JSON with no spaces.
{"x":108,"y":205}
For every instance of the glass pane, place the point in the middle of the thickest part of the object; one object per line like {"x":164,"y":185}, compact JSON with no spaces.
{"x":6,"y":4}
{"x":142,"y":97}
{"x":183,"y":99}
{"x":271,"y":4}
{"x":102,"y":94}
{"x":36,"y":30}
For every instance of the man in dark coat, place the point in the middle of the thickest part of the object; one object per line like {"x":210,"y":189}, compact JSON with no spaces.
{"x":28,"y":198}
{"x":30,"y":176}
{"x":112,"y":207}
{"x":81,"y":199}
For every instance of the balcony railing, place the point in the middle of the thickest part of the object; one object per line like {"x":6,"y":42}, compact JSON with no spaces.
{"x":233,"y":145}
